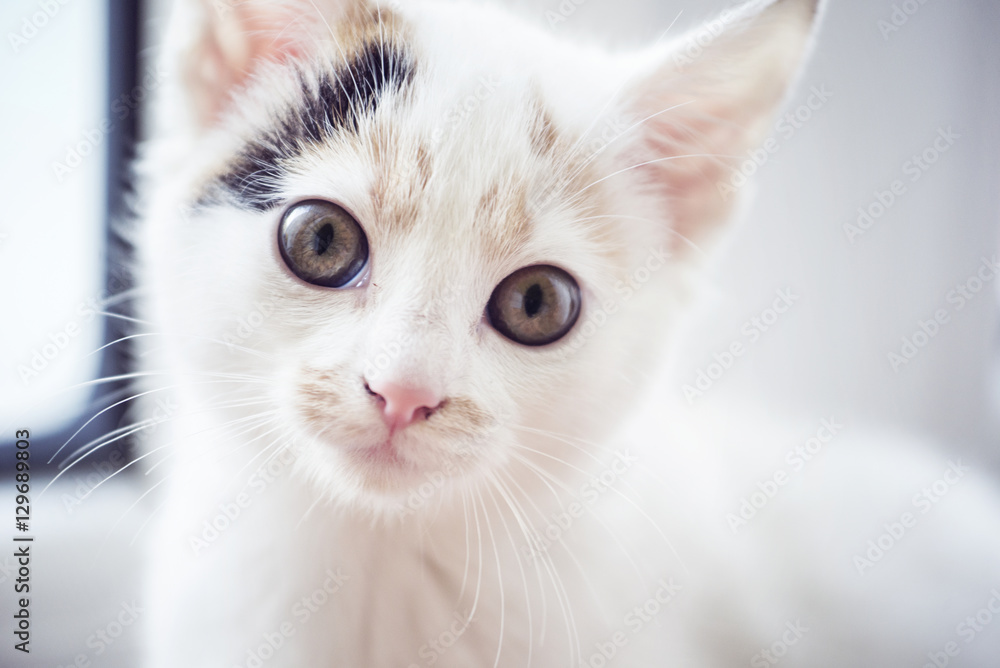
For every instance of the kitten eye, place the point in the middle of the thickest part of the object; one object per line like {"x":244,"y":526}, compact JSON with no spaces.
{"x":322,"y":244}
{"x":535,"y":305}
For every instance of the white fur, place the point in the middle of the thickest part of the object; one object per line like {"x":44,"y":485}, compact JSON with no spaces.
{"x":298,"y":507}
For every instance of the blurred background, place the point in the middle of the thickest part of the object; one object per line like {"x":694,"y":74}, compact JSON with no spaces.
{"x":878,"y":212}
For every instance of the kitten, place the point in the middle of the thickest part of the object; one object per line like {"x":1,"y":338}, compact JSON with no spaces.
{"x":408,"y":270}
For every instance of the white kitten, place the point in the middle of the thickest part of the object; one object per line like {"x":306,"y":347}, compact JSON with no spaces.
{"x":409,"y":270}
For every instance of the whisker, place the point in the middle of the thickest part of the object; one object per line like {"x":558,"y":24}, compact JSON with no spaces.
{"x":625,"y":498}
{"x":611,"y":99}
{"x":534,"y":542}
{"x":207,"y":339}
{"x":125,"y":514}
{"x":119,"y":403}
{"x":562,"y":596}
{"x":479,"y":560}
{"x":142,"y":526}
{"x":468,"y":551}
{"x":652,"y":162}
{"x":524,"y":579}
{"x":496,"y":554}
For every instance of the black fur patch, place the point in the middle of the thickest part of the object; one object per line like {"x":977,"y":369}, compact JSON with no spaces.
{"x":336,"y":103}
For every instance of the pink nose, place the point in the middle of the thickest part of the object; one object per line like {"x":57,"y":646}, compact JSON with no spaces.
{"x":401,"y":404}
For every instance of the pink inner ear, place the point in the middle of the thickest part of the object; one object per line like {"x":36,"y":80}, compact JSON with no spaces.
{"x":237,"y":41}
{"x":687,"y":156}
{"x":719,"y":106}
{"x":274,"y":35}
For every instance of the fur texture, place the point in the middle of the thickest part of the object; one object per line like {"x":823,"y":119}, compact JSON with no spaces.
{"x":553,"y":510}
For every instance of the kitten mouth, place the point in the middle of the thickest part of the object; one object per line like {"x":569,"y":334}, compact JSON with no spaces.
{"x":385,"y":469}
{"x":384,"y":454}
{"x":382,"y":458}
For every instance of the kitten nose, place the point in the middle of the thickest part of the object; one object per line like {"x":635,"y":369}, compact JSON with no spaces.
{"x":403,"y":404}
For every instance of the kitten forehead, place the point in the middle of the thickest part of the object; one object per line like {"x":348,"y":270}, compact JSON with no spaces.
{"x":335,"y":98}
{"x":371,"y":64}
{"x":465,"y":160}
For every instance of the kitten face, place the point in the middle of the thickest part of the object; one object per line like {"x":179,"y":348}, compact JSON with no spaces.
{"x":439,"y":167}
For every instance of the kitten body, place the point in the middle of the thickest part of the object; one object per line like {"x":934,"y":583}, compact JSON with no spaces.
{"x":553,"y":509}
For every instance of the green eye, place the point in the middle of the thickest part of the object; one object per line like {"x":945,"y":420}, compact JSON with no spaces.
{"x":322,"y":243}
{"x":535,"y":305}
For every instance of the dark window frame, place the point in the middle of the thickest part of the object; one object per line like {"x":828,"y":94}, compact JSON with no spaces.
{"x":124,"y":21}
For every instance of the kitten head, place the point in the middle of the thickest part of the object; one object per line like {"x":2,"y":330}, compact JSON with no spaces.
{"x":438,"y":242}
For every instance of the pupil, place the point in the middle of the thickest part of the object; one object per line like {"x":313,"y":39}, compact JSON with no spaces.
{"x":533,"y":300}
{"x":322,"y":239}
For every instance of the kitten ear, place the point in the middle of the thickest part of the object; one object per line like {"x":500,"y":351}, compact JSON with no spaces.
{"x":226,"y":41}
{"x":712,"y":96}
